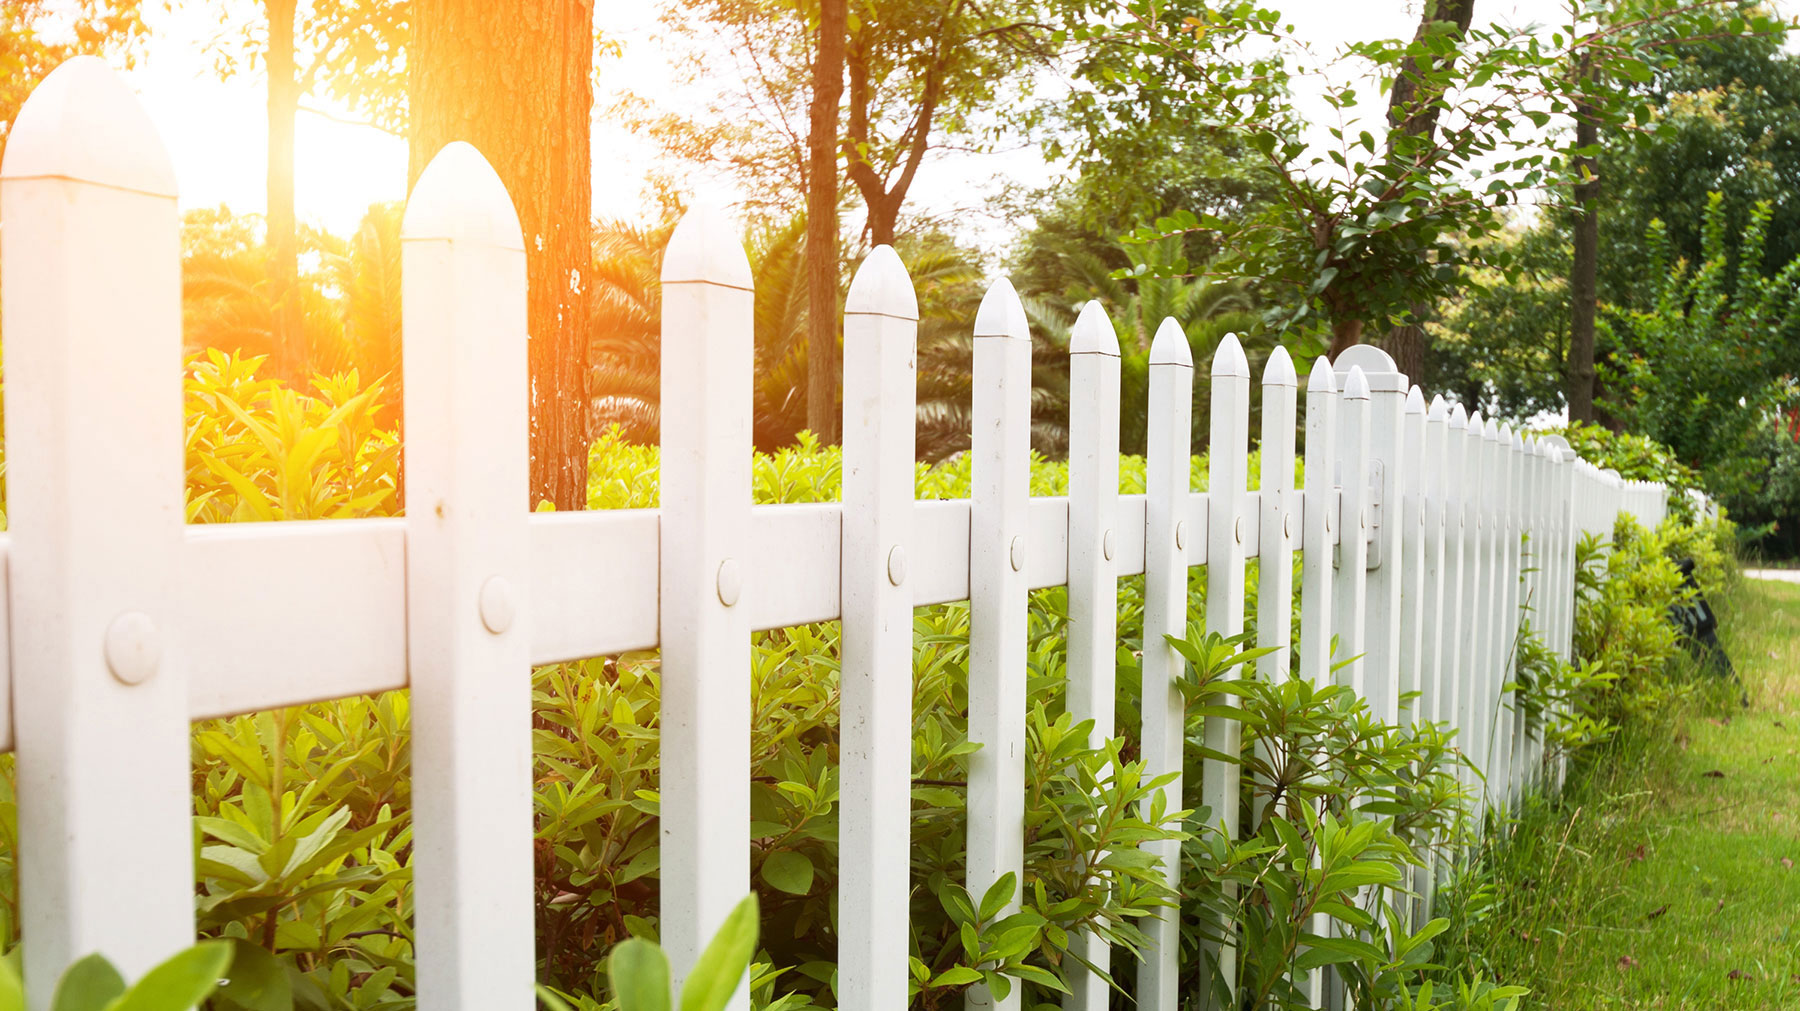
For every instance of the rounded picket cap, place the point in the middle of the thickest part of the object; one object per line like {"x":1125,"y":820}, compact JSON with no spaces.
{"x":1557,"y":441}
{"x":1001,"y":313}
{"x":1492,"y":432}
{"x":1439,"y":410}
{"x":1459,"y":416}
{"x":1477,"y":427}
{"x":1415,"y":401}
{"x":1518,"y":443}
{"x":705,"y":249}
{"x":82,"y":123}
{"x":1170,"y":345}
{"x":1356,"y":385}
{"x":1093,"y":332}
{"x":1228,"y":359}
{"x":882,"y":287}
{"x":459,"y":197}
{"x":1322,"y":378}
{"x":1367,"y":357}
{"x":1279,"y":369}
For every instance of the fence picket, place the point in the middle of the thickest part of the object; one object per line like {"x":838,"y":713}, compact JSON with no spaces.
{"x":91,"y":254}
{"x":1093,"y":580}
{"x":1278,"y":530}
{"x":1472,"y":677}
{"x":881,"y":322}
{"x":1319,"y":526}
{"x":705,"y":625}
{"x":1436,"y":610}
{"x":1166,"y":541}
{"x":467,"y":427}
{"x":1411,"y":515}
{"x":1001,"y":450}
{"x":1378,"y":673}
{"x":1351,"y":580}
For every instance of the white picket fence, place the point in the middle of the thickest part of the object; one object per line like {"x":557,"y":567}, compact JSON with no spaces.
{"x":124,"y":625}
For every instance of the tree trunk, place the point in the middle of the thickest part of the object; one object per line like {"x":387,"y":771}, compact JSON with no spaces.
{"x":287,"y":324}
{"x":1583,"y":289}
{"x":515,"y":81}
{"x":1345,"y":333}
{"x":1405,"y":343}
{"x":822,"y":369}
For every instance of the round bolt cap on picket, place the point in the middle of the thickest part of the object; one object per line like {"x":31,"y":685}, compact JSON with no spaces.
{"x":133,"y":647}
{"x":498,"y":604}
{"x":897,"y":565}
{"x":1181,"y":533}
{"x":1017,"y":554}
{"x":1287,"y":525}
{"x":1237,"y":530}
{"x":1106,"y":544}
{"x":731,"y":583}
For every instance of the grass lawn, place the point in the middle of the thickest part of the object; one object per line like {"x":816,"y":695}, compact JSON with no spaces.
{"x":1671,"y":879}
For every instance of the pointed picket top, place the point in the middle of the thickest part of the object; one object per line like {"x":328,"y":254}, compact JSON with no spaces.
{"x":1438,"y":411}
{"x":1001,"y":313}
{"x":1415,"y":401}
{"x":882,"y":287}
{"x":83,"y":123}
{"x":1459,"y":416}
{"x":705,"y":249}
{"x":1356,"y":385}
{"x":1322,"y":378}
{"x":460,"y":197}
{"x":1492,"y":432}
{"x":1170,"y":345}
{"x":1228,"y":359}
{"x":1279,"y":369}
{"x":1477,"y":427}
{"x":1093,"y":332}
{"x":1518,"y":443}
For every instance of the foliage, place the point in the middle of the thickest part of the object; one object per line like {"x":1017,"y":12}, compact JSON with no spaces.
{"x":92,"y":984}
{"x":1636,"y":458}
{"x":1500,"y":342}
{"x":640,"y":971}
{"x":38,"y":35}
{"x":1696,"y":371}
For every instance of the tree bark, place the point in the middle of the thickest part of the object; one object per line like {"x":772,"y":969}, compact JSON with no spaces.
{"x":884,"y":194}
{"x":822,"y":368}
{"x":515,"y":80}
{"x":1345,"y":333}
{"x":1583,"y":282}
{"x":282,"y":238}
{"x":1406,"y":342}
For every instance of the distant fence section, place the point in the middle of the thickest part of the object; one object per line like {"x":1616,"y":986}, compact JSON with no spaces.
{"x":1423,"y":537}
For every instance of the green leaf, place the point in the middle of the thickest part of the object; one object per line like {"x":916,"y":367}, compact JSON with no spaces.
{"x":88,"y":985}
{"x":180,"y":983}
{"x":259,"y":982}
{"x":788,"y":871}
{"x":715,"y":976}
{"x":12,"y":990}
{"x":961,"y":975}
{"x":640,"y":976}
{"x":997,"y":896}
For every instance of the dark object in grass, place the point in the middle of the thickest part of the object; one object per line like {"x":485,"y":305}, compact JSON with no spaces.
{"x":1700,"y":628}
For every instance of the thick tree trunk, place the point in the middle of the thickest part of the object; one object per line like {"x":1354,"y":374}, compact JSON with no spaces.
{"x":1583,"y":287}
{"x":822,"y":378}
{"x":1405,"y":343}
{"x":1345,"y":333}
{"x":282,"y":238}
{"x":515,"y":81}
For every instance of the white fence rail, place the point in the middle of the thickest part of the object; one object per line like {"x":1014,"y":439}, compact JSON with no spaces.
{"x":123,"y":624}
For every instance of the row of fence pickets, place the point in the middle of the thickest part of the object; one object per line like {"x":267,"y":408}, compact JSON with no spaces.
{"x":124,"y":625}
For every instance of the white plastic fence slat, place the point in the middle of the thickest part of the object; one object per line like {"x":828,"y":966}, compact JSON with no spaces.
{"x":1380,"y":668}
{"x":1506,"y":549}
{"x":1531,"y":497}
{"x":1093,"y":585}
{"x":1434,"y":606}
{"x":1454,"y":487}
{"x":998,"y":543}
{"x":1348,"y":609}
{"x":1227,"y":535}
{"x":875,"y":807}
{"x":705,"y":624}
{"x":467,"y":446}
{"x":1167,"y":540}
{"x":91,"y":257}
{"x":1493,"y":489}
{"x":1319,"y":524}
{"x":1410,"y":512}
{"x":1318,"y":556}
{"x":1470,"y":675}
{"x":1279,"y":529}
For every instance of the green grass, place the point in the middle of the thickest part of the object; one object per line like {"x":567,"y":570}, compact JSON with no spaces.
{"x":1655,"y":881}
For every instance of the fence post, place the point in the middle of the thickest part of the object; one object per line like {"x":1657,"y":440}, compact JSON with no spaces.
{"x":1093,"y":580}
{"x":1001,"y":452}
{"x":467,"y":447}
{"x":708,"y":349}
{"x":1166,"y":539}
{"x":1353,"y":524}
{"x":881,"y":327}
{"x":91,"y":255}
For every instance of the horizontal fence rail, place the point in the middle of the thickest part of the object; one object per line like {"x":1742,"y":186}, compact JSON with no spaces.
{"x":1423,"y":535}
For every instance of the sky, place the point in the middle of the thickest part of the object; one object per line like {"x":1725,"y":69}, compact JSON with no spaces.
{"x":216,"y":129}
